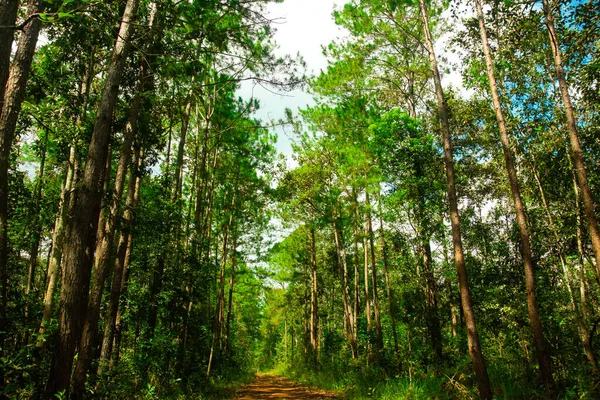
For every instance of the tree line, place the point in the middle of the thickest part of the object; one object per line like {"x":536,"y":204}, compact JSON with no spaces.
{"x":134,"y":186}
{"x":445,"y":236}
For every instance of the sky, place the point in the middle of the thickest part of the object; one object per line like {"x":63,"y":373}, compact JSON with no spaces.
{"x":294,"y":35}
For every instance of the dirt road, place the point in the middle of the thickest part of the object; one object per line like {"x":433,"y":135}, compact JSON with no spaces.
{"x":275,"y":387}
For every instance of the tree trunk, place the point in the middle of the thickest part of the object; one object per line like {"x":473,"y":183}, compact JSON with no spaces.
{"x":356,"y":270}
{"x":586,"y":194}
{"x":37,"y":234}
{"x":477,"y":359}
{"x":230,"y":302}
{"x":124,"y":252}
{"x":12,"y":90}
{"x":379,"y":334}
{"x":343,"y":270}
{"x":432,"y":317}
{"x":182,"y":140}
{"x":387,"y":276}
{"x":116,"y":288}
{"x":217,"y":333}
{"x":82,"y":230}
{"x":57,"y":249}
{"x":314,"y":306}
{"x":105,"y":240}
{"x":58,"y":236}
{"x":366,"y":280}
{"x":526,"y":252}
{"x":578,"y":313}
{"x":8,"y":17}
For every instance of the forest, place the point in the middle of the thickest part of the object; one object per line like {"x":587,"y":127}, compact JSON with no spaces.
{"x":427,"y":238}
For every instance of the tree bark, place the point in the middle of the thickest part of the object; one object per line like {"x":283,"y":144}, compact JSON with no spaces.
{"x":124,"y":253}
{"x":379,"y":334}
{"x":8,"y":17}
{"x":387,"y":276}
{"x":356,"y":268}
{"x":124,"y":245}
{"x":477,"y":359}
{"x":82,"y":230}
{"x":543,"y":357}
{"x":217,"y":333}
{"x":37,"y":234}
{"x":14,"y":83}
{"x":343,"y":270}
{"x":586,"y":194}
{"x":105,"y":240}
{"x":181,"y":150}
{"x":58,"y":235}
{"x":314,"y":305}
{"x":57,"y":249}
{"x":230,"y":302}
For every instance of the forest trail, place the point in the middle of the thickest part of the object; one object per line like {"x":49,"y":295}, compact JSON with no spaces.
{"x":275,"y":387}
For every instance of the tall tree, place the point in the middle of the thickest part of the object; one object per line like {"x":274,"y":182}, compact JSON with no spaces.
{"x":86,"y":209}
{"x":528,"y":263}
{"x":467,"y":304}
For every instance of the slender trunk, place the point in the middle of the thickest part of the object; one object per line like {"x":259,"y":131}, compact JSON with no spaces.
{"x":124,"y":258}
{"x":57,"y":249}
{"x":314,"y":306}
{"x":230,"y":301}
{"x":387,"y":276}
{"x":105,"y":242}
{"x":8,"y":17}
{"x":366,"y":280}
{"x":586,"y":194}
{"x":379,"y":334}
{"x":37,"y":234}
{"x":543,"y":357}
{"x":58,"y":236}
{"x":13,"y":86}
{"x":182,"y":140}
{"x":356,"y":269}
{"x":578,"y":313}
{"x":217,"y":333}
{"x":477,"y":359}
{"x":82,"y":230}
{"x":432,"y":318}
{"x":116,"y":287}
{"x":343,"y":270}
{"x":453,"y":316}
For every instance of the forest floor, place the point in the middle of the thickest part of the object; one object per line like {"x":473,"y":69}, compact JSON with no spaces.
{"x":275,"y":387}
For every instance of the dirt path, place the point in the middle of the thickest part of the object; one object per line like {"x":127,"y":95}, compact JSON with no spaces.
{"x":275,"y":387}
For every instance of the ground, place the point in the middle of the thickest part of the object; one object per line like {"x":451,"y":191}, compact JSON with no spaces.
{"x":275,"y":387}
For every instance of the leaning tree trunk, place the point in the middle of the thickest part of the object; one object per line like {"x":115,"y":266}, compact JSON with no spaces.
{"x":86,"y":208}
{"x":477,"y":359}
{"x":534,"y":319}
{"x":586,"y":194}
{"x":12,"y":93}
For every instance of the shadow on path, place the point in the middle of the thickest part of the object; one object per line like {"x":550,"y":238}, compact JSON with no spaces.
{"x":275,"y":387}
